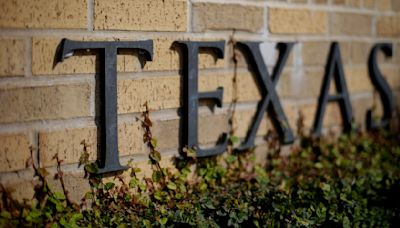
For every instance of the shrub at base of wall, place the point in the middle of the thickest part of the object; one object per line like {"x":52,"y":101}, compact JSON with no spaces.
{"x":348,"y":182}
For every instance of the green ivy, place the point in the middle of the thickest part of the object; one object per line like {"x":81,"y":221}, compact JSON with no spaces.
{"x":350,"y":182}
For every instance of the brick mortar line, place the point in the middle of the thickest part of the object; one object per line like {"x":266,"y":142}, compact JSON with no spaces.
{"x":74,"y":79}
{"x":70,"y":79}
{"x":266,"y":32}
{"x":33,"y":137}
{"x":90,"y":15}
{"x":309,"y":6}
{"x":157,"y":115}
{"x":305,"y":38}
{"x":28,"y":58}
{"x":189,"y":19}
{"x":92,"y":97}
{"x":208,"y":35}
{"x":20,"y":82}
{"x":308,"y":101}
{"x":232,"y":2}
{"x":47,"y":125}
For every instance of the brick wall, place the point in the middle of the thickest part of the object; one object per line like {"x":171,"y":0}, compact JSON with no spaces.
{"x":52,"y":108}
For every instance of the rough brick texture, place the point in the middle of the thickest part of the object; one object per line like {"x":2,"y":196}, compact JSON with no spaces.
{"x":41,"y":103}
{"x":294,"y":21}
{"x":12,"y":57}
{"x":211,"y":16}
{"x":388,"y":26}
{"x":316,"y":53}
{"x":14,"y":152}
{"x":350,"y":24}
{"x":145,"y":15}
{"x":43,"y":14}
{"x":69,"y":143}
{"x":165,"y":58}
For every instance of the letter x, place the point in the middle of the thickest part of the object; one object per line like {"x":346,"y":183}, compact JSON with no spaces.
{"x":270,"y":101}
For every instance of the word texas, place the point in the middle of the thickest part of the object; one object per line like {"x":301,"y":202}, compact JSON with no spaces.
{"x":108,"y":157}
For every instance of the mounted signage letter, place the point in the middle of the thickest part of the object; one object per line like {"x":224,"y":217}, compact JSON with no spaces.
{"x":334,"y":68}
{"x":108,"y":159}
{"x":270,"y":101}
{"x":191,"y":96}
{"x":382,"y":86}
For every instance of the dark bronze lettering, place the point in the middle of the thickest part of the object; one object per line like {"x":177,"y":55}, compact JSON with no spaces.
{"x":382,"y":86}
{"x":270,"y":101}
{"x":334,"y":68}
{"x":191,"y":97}
{"x":109,"y":157}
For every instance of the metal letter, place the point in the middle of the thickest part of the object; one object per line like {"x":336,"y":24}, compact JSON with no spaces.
{"x":270,"y":101}
{"x":109,"y":157}
{"x":382,"y":86}
{"x":334,"y":68}
{"x":191,"y":95}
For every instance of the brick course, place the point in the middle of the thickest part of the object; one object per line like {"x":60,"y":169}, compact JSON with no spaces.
{"x":43,"y":14}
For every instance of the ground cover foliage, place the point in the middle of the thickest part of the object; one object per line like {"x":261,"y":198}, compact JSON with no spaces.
{"x":352,"y":181}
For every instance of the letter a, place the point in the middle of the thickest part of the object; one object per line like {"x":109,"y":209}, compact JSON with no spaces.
{"x":334,"y":68}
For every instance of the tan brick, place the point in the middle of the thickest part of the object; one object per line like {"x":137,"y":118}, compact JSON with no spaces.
{"x":69,"y":143}
{"x":388,"y":26}
{"x":12,"y":52}
{"x":267,"y":48}
{"x":43,"y":14}
{"x":212,"y":16}
{"x":354,"y":3}
{"x":47,"y":102}
{"x":357,"y":79}
{"x":295,"y":21}
{"x":350,"y":24}
{"x":146,"y":15}
{"x":320,"y":1}
{"x":44,"y":51}
{"x":360,"y":52}
{"x":74,"y":182}
{"x":212,"y":127}
{"x":167,"y":133}
{"x":165,"y":92}
{"x":396,"y":5}
{"x":332,"y":115}
{"x":384,"y":60}
{"x":392,"y":76}
{"x":20,"y":189}
{"x":362,"y":105}
{"x":248,"y":88}
{"x":14,"y":152}
{"x":308,"y":86}
{"x":339,"y":2}
{"x":370,"y":4}
{"x":316,"y":52}
{"x":243,"y":120}
{"x":384,"y":5}
{"x":164,"y":58}
{"x":146,"y":169}
{"x":158,"y":92}
{"x":130,"y":138}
